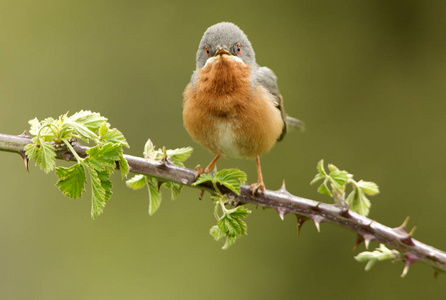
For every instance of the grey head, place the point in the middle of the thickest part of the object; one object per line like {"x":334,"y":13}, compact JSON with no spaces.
{"x":228,"y":37}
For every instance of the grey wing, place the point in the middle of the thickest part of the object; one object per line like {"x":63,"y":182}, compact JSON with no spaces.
{"x":268,"y":80}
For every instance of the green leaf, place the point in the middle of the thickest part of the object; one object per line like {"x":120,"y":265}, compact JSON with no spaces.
{"x":98,"y":194}
{"x":108,"y":135}
{"x":106,"y":183}
{"x":332,"y":168}
{"x":87,"y":119}
{"x":46,"y":157}
{"x":149,"y":150}
{"x":320,"y":168}
{"x":368,"y":187}
{"x":31,"y":150}
{"x":230,"y":240}
{"x":136,"y":182}
{"x":323,"y":189}
{"x":103,"y":157}
{"x":175,"y":188}
{"x":71,"y":180}
{"x":216,"y":232}
{"x":83,"y":132}
{"x":379,"y":254}
{"x":123,"y":166}
{"x":231,"y":224}
{"x":340,"y":178}
{"x":203,"y":178}
{"x":231,"y":178}
{"x":35,"y":126}
{"x":318,"y":177}
{"x":154,"y":194}
{"x":179,"y":155}
{"x":238,"y":212}
{"x":358,"y":202}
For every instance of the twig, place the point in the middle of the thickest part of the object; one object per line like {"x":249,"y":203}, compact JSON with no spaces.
{"x":281,"y":200}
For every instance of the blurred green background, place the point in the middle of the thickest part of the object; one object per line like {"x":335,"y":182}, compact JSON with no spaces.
{"x":367,"y":77}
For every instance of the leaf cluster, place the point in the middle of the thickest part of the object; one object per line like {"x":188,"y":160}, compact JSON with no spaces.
{"x":334,"y":184}
{"x":175,"y":156}
{"x":379,"y":254}
{"x":55,"y":134}
{"x":230,"y":223}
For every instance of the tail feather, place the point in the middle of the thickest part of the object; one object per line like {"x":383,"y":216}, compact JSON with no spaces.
{"x":293,"y":122}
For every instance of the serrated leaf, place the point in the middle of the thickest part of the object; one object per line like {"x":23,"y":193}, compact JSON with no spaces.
{"x":216,"y":232}
{"x":230,"y":226}
{"x":83,"y":132}
{"x":340,"y":178}
{"x":90,"y":120}
{"x":136,"y":182}
{"x":316,"y":178}
{"x":154,"y":194}
{"x":323,"y":189}
{"x":35,"y":126}
{"x":108,"y":135}
{"x":368,"y":187}
{"x":175,"y":188}
{"x":106,"y":183}
{"x":31,"y":151}
{"x":123,"y":166}
{"x":320,"y":167}
{"x":98,"y":194}
{"x":230,"y":240}
{"x":179,"y":155}
{"x":358,"y":202}
{"x":332,"y":168}
{"x":149,"y":150}
{"x":203,"y":178}
{"x":231,"y":178}
{"x":46,"y":157}
{"x":379,"y":254}
{"x":71,"y":180}
{"x":238,"y":212}
{"x":103,"y":157}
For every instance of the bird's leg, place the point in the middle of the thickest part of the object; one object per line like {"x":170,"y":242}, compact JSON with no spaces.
{"x":207,"y":170}
{"x":259,"y":184}
{"x":212,"y":164}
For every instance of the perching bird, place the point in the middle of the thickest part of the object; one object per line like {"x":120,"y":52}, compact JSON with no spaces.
{"x":232,"y":106}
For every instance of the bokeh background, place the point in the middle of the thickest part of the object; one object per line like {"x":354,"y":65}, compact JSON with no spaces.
{"x":367,"y":77}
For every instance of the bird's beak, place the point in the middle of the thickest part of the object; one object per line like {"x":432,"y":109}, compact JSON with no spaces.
{"x":222,"y":52}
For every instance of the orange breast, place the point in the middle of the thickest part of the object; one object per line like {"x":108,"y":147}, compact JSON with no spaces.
{"x":226,"y":115}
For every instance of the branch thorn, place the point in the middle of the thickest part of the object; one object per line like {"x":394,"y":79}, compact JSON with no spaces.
{"x":436,"y":272}
{"x":367,"y":239}
{"x":410,"y":259}
{"x":24,"y":134}
{"x":411,"y":232}
{"x":300,"y":222}
{"x":25,"y":159}
{"x":317,"y":221}
{"x":282,"y":211}
{"x":283,"y":189}
{"x":359,"y":240}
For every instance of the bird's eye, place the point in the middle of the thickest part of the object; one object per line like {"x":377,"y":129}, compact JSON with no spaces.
{"x":207,"y":51}
{"x":239,"y":49}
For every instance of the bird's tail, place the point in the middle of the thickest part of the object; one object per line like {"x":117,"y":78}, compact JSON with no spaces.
{"x":293,"y":122}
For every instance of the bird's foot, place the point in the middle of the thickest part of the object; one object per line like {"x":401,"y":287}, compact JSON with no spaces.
{"x":256,"y":186}
{"x":199,"y":171}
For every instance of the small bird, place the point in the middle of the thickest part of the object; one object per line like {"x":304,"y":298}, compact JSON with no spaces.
{"x":232,"y":106}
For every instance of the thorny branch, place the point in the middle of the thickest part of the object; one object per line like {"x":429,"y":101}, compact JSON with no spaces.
{"x":281,"y":200}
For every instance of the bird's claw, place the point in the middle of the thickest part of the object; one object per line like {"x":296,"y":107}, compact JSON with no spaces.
{"x":256,"y":186}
